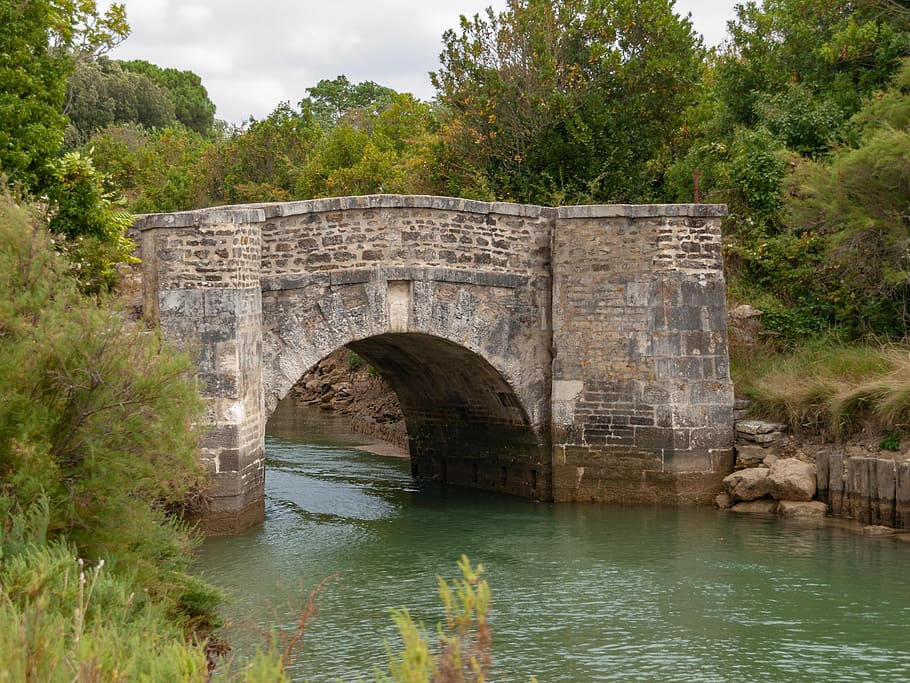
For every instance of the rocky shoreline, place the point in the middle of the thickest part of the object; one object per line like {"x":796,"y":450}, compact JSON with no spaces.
{"x":795,"y":477}
{"x":344,"y":384}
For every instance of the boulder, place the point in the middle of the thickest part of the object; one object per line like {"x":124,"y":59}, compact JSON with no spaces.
{"x":877,"y":530}
{"x":764,"y":506}
{"x":802,"y":509}
{"x":748,"y":484}
{"x":792,"y":479}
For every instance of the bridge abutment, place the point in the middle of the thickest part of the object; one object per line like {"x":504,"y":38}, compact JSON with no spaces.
{"x":642,"y":398}
{"x":201,"y":283}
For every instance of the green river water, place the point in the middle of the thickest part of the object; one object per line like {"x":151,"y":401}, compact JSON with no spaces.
{"x":581,"y":592}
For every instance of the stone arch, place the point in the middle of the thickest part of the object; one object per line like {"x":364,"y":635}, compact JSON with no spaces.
{"x":459,"y":352}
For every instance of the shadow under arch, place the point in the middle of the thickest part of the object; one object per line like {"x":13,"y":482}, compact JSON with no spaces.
{"x":466,"y":425}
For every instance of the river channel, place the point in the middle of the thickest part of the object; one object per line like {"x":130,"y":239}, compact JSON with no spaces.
{"x":581,"y":592}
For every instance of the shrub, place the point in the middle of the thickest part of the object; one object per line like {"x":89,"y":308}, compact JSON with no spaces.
{"x":96,"y":414}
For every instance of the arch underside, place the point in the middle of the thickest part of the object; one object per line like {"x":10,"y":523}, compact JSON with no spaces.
{"x":465,"y":424}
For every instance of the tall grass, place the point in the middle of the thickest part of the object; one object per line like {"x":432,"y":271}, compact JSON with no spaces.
{"x":829,"y":389}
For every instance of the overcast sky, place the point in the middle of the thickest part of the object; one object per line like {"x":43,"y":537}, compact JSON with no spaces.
{"x":253,"y":55}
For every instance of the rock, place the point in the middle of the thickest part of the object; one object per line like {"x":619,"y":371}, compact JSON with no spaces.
{"x":768,"y":438}
{"x":876,"y":530}
{"x":802,"y":509}
{"x":792,"y":479}
{"x":770,"y":459}
{"x":745,"y":311}
{"x":723,"y":501}
{"x":749,"y":455}
{"x":748,"y":484}
{"x":762,"y":506}
{"x":753,"y":427}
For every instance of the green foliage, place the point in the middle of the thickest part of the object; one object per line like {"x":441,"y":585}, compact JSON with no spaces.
{"x":100,"y":93}
{"x":156,"y":171}
{"x":331,"y":100}
{"x":572,"y":101}
{"x":804,"y":123}
{"x":465,"y":641}
{"x":96,"y":414}
{"x":89,"y":225}
{"x":80,"y":28}
{"x":857,"y":202}
{"x":62,"y":619}
{"x":190,"y":99}
{"x":355,"y":362}
{"x":891,"y":441}
{"x":263,"y":162}
{"x":801,"y":49}
{"x":32,"y":88}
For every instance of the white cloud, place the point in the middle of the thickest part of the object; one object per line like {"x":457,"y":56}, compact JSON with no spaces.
{"x":253,"y":55}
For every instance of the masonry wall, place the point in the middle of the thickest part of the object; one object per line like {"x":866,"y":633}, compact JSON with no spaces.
{"x":201,"y":282}
{"x":449,"y":298}
{"x":642,"y":397}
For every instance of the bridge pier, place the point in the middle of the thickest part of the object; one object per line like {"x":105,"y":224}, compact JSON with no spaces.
{"x":568,"y":354}
{"x":642,"y":398}
{"x":201,"y":283}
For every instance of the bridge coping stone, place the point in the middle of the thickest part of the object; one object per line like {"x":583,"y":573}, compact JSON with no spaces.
{"x":258,"y":213}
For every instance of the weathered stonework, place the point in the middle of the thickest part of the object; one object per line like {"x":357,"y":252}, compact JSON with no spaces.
{"x":577,"y":353}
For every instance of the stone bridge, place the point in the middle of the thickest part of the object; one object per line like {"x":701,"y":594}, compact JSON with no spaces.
{"x":567,"y":354}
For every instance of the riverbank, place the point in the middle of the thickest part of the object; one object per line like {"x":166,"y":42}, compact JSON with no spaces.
{"x":343,"y":384}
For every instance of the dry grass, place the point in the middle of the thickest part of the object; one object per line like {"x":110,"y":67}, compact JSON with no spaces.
{"x":830,"y":390}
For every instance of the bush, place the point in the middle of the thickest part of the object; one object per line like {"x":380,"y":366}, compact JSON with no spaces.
{"x":97,"y":412}
{"x":89,"y":226}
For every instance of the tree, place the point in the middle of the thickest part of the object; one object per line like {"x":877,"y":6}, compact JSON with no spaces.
{"x":88,"y":223}
{"x":820,"y":54}
{"x":39,"y":42}
{"x":32,"y":87}
{"x":80,"y":29}
{"x":100,"y":93}
{"x":566,"y":101}
{"x":330,"y":100}
{"x":192,"y":106}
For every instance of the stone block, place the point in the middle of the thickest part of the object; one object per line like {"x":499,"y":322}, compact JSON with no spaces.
{"x":792,"y":479}
{"x":688,"y":461}
{"x":185,"y":303}
{"x":753,"y":427}
{"x":749,"y":455}
{"x":748,"y":484}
